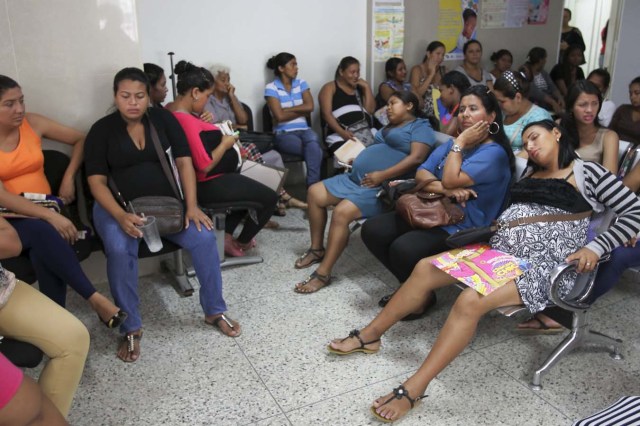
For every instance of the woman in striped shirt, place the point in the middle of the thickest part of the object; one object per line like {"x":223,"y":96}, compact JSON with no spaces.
{"x":557,"y":183}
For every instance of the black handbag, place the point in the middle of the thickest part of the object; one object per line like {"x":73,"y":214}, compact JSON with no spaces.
{"x":470,"y":236}
{"x":168,"y":211}
{"x":262,"y":141}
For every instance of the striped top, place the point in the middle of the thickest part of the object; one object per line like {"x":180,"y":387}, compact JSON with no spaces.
{"x":276,"y":89}
{"x":347,"y":110}
{"x":625,"y":411}
{"x":603,"y":190}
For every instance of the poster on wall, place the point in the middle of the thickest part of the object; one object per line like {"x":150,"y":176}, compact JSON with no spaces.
{"x":538,"y":12}
{"x":504,"y":13}
{"x":388,"y":29}
{"x":457,"y":25}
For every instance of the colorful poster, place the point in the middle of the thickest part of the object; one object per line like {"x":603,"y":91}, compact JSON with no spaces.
{"x":538,"y":12}
{"x":504,"y":13}
{"x":388,"y":29}
{"x":457,"y":25}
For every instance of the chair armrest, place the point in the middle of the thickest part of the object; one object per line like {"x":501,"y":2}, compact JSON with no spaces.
{"x":575,"y":300}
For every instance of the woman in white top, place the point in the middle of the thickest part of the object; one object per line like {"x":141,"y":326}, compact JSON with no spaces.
{"x":472,"y":65}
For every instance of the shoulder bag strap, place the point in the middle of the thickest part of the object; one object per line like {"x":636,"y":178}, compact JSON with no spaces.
{"x":163,"y":160}
{"x":543,"y":218}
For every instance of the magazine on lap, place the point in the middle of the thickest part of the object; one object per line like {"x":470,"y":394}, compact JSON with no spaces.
{"x":481,"y":267}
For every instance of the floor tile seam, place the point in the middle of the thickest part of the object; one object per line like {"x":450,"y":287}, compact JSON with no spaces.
{"x":255,"y":370}
{"x":526,"y":386}
{"x":348,"y":391}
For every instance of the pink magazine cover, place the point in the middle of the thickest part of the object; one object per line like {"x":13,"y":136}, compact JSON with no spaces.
{"x":481,"y":267}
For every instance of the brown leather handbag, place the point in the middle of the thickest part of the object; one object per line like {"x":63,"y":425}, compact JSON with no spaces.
{"x":424,"y":210}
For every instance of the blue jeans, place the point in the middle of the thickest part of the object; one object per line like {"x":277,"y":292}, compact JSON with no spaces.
{"x":609,"y":273}
{"x":122,"y":266}
{"x":306,"y":144}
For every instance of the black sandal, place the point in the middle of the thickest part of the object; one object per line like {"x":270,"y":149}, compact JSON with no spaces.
{"x":398,"y":393}
{"x":115,"y":320}
{"x":324,"y":279}
{"x":356,"y":334}
{"x":317,"y":256}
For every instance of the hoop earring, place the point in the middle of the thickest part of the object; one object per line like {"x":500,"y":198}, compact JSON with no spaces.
{"x":497,"y":129}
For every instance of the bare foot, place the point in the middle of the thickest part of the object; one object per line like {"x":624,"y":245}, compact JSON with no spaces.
{"x":540,"y":322}
{"x":129,"y":349}
{"x":368,"y":343}
{"x":226,"y":325}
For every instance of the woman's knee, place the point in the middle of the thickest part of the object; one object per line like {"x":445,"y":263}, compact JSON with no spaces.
{"x":468,"y":304}
{"x":317,"y":193}
{"x":345,"y":213}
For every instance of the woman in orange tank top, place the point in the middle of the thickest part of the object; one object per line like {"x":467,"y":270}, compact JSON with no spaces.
{"x":44,"y":233}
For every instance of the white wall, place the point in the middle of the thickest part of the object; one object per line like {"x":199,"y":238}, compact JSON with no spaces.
{"x":626,"y":60}
{"x":243,"y":34}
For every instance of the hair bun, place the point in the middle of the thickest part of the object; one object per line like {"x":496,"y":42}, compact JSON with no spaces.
{"x":271,"y":63}
{"x":183,"y":67}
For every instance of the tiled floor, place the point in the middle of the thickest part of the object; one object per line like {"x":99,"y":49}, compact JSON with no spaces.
{"x":279,"y":372}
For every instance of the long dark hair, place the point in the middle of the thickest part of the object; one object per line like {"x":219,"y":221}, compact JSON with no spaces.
{"x":491,"y":105}
{"x":279,"y":60}
{"x":345,"y":63}
{"x":568,"y":120}
{"x":192,"y":77}
{"x":7,"y":83}
{"x":566,"y":152}
{"x":391,"y":65}
{"x":153,"y":72}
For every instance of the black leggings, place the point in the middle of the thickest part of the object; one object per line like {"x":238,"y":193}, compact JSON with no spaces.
{"x":235,"y":187}
{"x":399,"y":246}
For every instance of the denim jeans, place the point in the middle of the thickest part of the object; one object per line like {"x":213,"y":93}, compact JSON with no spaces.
{"x":609,"y":273}
{"x":305,"y":143}
{"x":122,"y":266}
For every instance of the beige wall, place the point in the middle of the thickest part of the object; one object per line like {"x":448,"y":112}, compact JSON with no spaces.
{"x":65,"y":53}
{"x":421,"y":27}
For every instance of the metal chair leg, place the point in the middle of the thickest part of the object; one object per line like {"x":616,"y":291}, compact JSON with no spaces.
{"x":182,"y":285}
{"x":568,"y":344}
{"x":604,"y":340}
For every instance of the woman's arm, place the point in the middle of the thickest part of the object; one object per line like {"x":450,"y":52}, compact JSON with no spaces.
{"x":610,"y":148}
{"x":50,"y":129}
{"x":385,"y":91}
{"x":129,"y":222}
{"x":453,"y":176}
{"x":236,"y":106}
{"x":21,"y":205}
{"x":10,"y":245}
{"x":188,"y":181}
{"x":632,"y":179}
{"x":287,"y":114}
{"x":420,"y":88}
{"x":368,"y":100}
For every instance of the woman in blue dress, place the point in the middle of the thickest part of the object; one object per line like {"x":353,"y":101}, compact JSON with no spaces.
{"x":398,"y":150}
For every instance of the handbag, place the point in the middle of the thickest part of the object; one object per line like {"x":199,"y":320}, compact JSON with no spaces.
{"x":484,"y":233}
{"x":361,"y":129}
{"x":389,"y":193}
{"x":424,"y":210}
{"x":263,"y":141}
{"x":53,"y":203}
{"x":168,"y":211}
{"x":7,"y":285}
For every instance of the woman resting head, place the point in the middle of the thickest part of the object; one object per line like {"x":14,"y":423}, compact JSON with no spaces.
{"x":558,"y":183}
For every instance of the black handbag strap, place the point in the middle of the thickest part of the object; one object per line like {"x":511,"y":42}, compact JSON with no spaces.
{"x":166,"y":168}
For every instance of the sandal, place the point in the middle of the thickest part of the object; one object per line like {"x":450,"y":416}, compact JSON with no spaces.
{"x":130,"y":341}
{"x":541,"y":329}
{"x":115,"y":320}
{"x":316,"y":257}
{"x":356,"y":334}
{"x":290,"y":201}
{"x":324,"y":279}
{"x":280,"y":210}
{"x":398,"y":393}
{"x":230,"y":323}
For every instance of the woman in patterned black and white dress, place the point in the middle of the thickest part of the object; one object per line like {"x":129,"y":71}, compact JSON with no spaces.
{"x":557,"y":182}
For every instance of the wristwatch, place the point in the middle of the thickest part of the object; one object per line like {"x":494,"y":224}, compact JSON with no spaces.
{"x":456,"y":148}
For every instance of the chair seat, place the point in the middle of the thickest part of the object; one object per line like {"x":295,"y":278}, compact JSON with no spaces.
{"x":21,"y":354}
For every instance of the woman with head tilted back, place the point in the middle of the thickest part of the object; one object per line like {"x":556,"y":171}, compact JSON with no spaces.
{"x":591,"y":141}
{"x":557,"y":183}
{"x":397,"y":151}
{"x":512,"y":90}
{"x":195,"y":85}
{"x":291,"y":103}
{"x":471,"y":66}
{"x":345,"y":101}
{"x":120,"y":146}
{"x":46,"y":236}
{"x":475,"y":168}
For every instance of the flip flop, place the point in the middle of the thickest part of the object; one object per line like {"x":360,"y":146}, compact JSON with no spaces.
{"x":216,"y":323}
{"x":356,"y":334}
{"x":542,"y":329}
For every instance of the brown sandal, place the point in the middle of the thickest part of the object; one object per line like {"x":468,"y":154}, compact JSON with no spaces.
{"x":316,"y":257}
{"x":230,"y":323}
{"x":324,"y":279}
{"x":398,"y":393}
{"x":129,"y":340}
